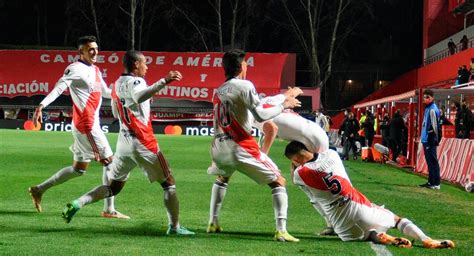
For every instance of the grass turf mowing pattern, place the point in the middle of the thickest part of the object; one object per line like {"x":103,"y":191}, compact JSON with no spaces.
{"x":27,"y":158}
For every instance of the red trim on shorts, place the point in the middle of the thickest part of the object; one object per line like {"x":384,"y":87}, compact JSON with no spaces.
{"x":95,"y":149}
{"x":164,"y":164}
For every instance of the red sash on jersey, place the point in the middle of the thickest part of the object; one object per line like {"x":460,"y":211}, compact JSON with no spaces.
{"x":238,"y":134}
{"x":84,"y":120}
{"x":144,"y":133}
{"x":320,"y":181}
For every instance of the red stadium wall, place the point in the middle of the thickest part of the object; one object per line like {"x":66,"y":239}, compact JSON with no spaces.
{"x":443,"y":72}
{"x":456,"y":160}
{"x":438,"y":22}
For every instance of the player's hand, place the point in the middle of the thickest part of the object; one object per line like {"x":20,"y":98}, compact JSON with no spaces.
{"x":293,"y":92}
{"x":173,"y":76}
{"x":291,"y":102}
{"x":38,"y":115}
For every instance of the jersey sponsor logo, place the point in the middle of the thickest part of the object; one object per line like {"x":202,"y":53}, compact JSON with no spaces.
{"x":137,"y":82}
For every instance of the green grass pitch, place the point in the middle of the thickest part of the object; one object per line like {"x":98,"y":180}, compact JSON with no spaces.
{"x":27,"y":158}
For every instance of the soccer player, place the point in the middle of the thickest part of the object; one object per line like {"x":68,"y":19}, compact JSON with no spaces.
{"x":290,"y":126}
{"x":236,"y":104}
{"x":136,"y":144}
{"x":354,"y":217}
{"x":87,"y":88}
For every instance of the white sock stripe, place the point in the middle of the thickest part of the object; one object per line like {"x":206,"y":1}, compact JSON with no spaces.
{"x":170,"y":187}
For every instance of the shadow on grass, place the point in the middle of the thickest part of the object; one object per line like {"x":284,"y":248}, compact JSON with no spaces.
{"x":15,"y":212}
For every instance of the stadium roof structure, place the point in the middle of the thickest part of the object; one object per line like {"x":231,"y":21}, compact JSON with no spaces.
{"x":440,"y":94}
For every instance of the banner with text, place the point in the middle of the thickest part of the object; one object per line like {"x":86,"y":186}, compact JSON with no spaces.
{"x":455,"y":158}
{"x":35,"y":72}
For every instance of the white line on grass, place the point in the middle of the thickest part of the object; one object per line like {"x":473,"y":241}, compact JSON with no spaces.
{"x":380,"y":249}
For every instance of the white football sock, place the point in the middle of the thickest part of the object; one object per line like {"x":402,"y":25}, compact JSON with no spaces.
{"x":172,"y":205}
{"x":61,"y":176}
{"x":109,"y":201}
{"x":94,"y":195}
{"x":218,"y":192}
{"x":408,"y":228}
{"x":280,"y":207}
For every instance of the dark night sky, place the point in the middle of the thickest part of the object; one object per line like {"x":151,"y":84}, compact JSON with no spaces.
{"x":389,"y":40}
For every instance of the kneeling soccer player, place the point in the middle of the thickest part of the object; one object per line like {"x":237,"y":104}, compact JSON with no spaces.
{"x":323,"y":178}
{"x":136,"y":144}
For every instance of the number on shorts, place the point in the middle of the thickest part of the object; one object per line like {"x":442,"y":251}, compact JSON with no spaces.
{"x":333,"y":184}
{"x":125,"y":111}
{"x":223,"y":114}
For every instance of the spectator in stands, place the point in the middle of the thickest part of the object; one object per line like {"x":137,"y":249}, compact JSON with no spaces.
{"x":385,"y":130}
{"x":430,"y":140}
{"x":464,"y":42}
{"x":458,"y":77}
{"x":368,"y":126}
{"x":349,"y":129}
{"x":451,"y":47}
{"x":471,"y":68}
{"x":397,"y":130}
{"x":463,"y":121}
{"x":465,"y":75}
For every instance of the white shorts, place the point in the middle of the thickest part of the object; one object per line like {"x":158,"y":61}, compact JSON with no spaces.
{"x":88,"y":146}
{"x":366,"y":219}
{"x":228,"y":157}
{"x":130,"y":153}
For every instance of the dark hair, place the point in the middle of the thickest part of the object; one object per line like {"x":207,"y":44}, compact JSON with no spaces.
{"x":85,"y":40}
{"x":232,"y":62}
{"x":130,"y":58}
{"x":428,"y":92}
{"x":293,"y":148}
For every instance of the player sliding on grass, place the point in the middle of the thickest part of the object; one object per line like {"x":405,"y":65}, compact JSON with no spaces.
{"x":290,"y":126}
{"x":136,"y":144}
{"x":236,"y":104}
{"x":323,"y":178}
{"x":87,"y":88}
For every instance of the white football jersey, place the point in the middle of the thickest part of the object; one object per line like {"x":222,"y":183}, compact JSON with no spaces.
{"x":329,"y":185}
{"x":86,"y":85}
{"x":292,"y":126}
{"x":235,"y":104}
{"x":134,"y":117}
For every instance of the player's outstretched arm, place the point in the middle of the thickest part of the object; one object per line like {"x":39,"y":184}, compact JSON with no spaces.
{"x":293,"y":92}
{"x":270,"y":129}
{"x":37,"y":116}
{"x":142,"y":93}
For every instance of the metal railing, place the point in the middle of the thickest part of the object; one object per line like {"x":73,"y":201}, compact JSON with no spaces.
{"x":445,"y":53}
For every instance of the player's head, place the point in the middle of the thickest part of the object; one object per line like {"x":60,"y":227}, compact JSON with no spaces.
{"x":234,"y":63}
{"x":298,"y":153}
{"x":134,"y":63}
{"x":88,"y":49}
{"x":428,"y":96}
